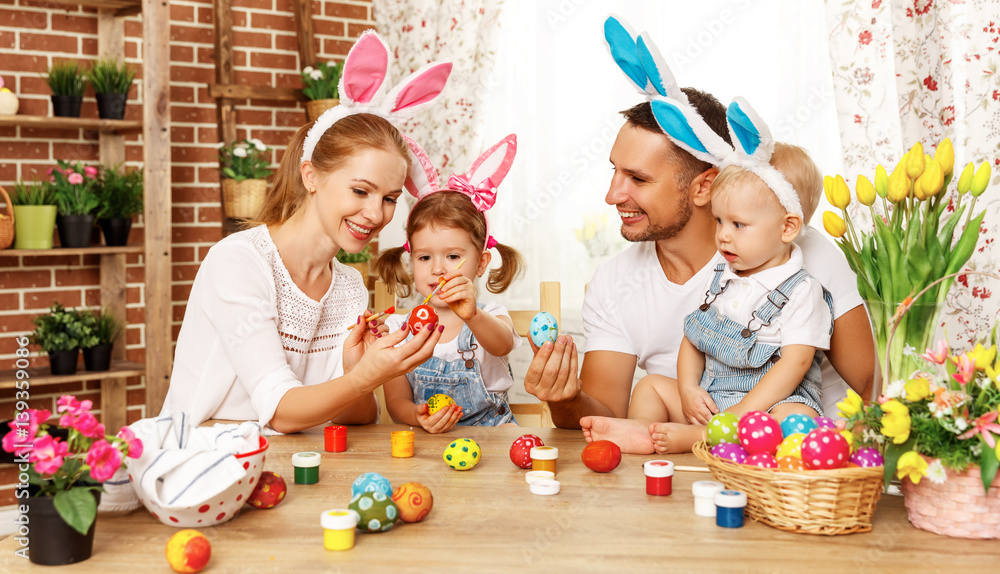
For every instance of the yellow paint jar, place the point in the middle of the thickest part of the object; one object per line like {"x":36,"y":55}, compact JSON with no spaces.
{"x":338,"y":529}
{"x":544,"y":458}
{"x":402,"y":443}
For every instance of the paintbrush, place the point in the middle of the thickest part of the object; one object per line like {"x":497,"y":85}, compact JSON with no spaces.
{"x":441,"y":283}
{"x":375,"y":317}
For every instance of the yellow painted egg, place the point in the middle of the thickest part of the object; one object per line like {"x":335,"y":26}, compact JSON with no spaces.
{"x":791,"y":446}
{"x":438,"y":402}
{"x":463,"y":454}
{"x":414,"y":501}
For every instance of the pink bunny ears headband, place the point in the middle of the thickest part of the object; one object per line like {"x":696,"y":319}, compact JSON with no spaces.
{"x":648,"y":72}
{"x":362,"y":89}
{"x":479,"y":184}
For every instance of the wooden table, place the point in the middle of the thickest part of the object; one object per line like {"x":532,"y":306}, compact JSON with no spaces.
{"x":486,"y":520}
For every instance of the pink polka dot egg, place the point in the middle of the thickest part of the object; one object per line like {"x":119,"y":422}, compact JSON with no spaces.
{"x":762,"y":460}
{"x":759,"y":432}
{"x":825,"y":449}
{"x":868,"y":457}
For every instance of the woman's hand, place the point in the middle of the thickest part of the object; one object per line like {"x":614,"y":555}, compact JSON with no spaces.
{"x":441,"y":421}
{"x":382,"y":360}
{"x":460,"y":294}
{"x":362,"y":336}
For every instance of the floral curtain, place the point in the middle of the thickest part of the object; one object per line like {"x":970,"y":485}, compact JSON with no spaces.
{"x":464,"y":32}
{"x":922,"y":70}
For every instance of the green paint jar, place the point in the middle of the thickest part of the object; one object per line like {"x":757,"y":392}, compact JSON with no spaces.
{"x":306,"y":467}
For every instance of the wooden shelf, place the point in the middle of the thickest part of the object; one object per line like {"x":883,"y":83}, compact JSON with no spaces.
{"x":119,"y":7}
{"x":95,"y":250}
{"x":119,"y":127}
{"x":38,"y":376}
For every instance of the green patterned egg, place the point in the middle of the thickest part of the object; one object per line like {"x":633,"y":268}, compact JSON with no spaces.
{"x":722,"y":428}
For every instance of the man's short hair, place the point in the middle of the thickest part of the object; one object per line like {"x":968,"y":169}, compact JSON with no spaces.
{"x":711,"y":110}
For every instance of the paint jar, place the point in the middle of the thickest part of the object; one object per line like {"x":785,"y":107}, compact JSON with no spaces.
{"x":659,"y":477}
{"x":402,"y":443}
{"x":544,"y":458}
{"x":729,"y":505}
{"x":306,"y":467}
{"x":335,"y":438}
{"x":533,"y":475}
{"x":544,"y":487}
{"x":704,"y":496}
{"x":338,"y":528}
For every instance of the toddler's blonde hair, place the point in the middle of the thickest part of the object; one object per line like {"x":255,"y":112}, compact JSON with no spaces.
{"x":793,"y":162}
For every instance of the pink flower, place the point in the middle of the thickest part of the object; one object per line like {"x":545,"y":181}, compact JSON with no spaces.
{"x":938,"y":355}
{"x":90,"y":171}
{"x":47,"y":454}
{"x":929,"y":81}
{"x":865,"y":37}
{"x":985,"y":424}
{"x":86,"y":423}
{"x":966,"y":368}
{"x":75,"y":178}
{"x":69,"y":404}
{"x":27,"y":421}
{"x":134,"y":444}
{"x":103,"y":460}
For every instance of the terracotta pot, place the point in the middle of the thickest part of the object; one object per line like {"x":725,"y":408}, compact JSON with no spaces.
{"x":958,"y":508}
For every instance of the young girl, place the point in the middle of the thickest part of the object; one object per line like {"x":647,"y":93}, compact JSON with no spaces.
{"x":754,"y":343}
{"x":445,"y":228}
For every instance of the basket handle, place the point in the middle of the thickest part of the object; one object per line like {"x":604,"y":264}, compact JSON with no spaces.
{"x":902,"y":309}
{"x":8,"y":203}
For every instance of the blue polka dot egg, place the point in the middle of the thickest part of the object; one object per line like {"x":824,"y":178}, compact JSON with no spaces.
{"x":797,"y":423}
{"x":371,"y":482}
{"x":463,"y":454}
{"x":722,"y":429}
{"x":543,"y":328}
{"x":376,"y":511}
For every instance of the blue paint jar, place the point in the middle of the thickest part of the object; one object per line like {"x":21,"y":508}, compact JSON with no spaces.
{"x":729,"y":505}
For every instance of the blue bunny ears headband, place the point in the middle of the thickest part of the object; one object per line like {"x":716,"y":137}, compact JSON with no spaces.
{"x":644,"y":66}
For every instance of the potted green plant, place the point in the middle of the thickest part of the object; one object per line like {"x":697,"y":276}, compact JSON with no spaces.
{"x":357,"y":260}
{"x":59,"y":333}
{"x":243,"y":166}
{"x":111,"y":79}
{"x":119,"y":197}
{"x":65,"y":466}
{"x":34,"y":215}
{"x":321,"y":84}
{"x":67,"y":81}
{"x":76,"y":201}
{"x":104,"y":330}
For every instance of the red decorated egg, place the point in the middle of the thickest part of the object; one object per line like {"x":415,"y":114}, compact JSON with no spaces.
{"x":520,"y":451}
{"x":759,"y":432}
{"x":422,"y":316}
{"x":792,"y":463}
{"x":271,"y":489}
{"x":825,"y":448}
{"x":762,"y":459}
{"x":414,"y":501}
{"x":602,"y":456}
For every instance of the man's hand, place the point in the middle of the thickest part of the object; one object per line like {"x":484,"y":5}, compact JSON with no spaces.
{"x":553,"y":375}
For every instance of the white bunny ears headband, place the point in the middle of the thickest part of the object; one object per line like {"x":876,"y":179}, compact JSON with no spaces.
{"x":478,"y":184}
{"x":640,"y":60}
{"x":362,"y":89}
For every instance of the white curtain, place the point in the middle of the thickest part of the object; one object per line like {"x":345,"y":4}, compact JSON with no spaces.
{"x":908,"y":71}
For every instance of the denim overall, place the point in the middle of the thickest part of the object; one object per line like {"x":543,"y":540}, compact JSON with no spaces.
{"x":461,"y":380}
{"x":734,"y":360}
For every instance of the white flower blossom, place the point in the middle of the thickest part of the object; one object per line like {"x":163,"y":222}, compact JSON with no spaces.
{"x":316,"y":75}
{"x":258,"y":144}
{"x":240,"y":151}
{"x":220,"y":145}
{"x":936,"y":472}
{"x":909,"y":350}
{"x":307,"y":70}
{"x":961,"y":424}
{"x":896,"y":389}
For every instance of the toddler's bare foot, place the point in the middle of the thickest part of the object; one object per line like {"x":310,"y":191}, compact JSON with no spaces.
{"x":673,"y":438}
{"x":630,"y":435}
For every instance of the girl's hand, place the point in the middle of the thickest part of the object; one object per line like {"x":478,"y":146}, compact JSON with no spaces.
{"x":441,"y":421}
{"x":460,"y":294}
{"x":697,"y":405}
{"x":383,"y":360}
{"x":362,"y":336}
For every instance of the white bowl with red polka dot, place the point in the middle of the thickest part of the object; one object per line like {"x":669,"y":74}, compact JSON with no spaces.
{"x":224,"y":506}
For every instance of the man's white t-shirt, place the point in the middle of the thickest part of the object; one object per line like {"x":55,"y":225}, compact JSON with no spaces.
{"x":631,"y":307}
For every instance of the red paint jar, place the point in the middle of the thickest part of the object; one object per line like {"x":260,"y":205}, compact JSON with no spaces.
{"x":659,"y":477}
{"x":335,"y":438}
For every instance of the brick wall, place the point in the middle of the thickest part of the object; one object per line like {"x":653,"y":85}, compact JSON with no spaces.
{"x":32,"y":36}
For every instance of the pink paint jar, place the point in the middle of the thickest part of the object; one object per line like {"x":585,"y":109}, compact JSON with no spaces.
{"x":659,"y":477}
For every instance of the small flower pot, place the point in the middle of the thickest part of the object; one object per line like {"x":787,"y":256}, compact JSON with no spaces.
{"x":51,"y":541}
{"x":315,"y":108}
{"x":115,"y":230}
{"x":66,"y":106}
{"x":75,"y":230}
{"x":243,"y":199}
{"x":34,"y":226}
{"x":98,"y":357}
{"x":63,"y":362}
{"x":111,"y":106}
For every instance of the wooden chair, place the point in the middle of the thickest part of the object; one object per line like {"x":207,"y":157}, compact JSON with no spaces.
{"x":549,"y":300}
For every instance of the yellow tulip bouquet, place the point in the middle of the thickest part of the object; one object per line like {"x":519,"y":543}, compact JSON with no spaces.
{"x":944,"y":416}
{"x":909,"y":244}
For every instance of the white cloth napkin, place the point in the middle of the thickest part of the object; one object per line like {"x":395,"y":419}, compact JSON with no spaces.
{"x":181,"y":464}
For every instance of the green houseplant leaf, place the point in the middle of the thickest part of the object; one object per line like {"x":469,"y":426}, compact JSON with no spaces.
{"x":110,"y":76}
{"x":77,"y":507}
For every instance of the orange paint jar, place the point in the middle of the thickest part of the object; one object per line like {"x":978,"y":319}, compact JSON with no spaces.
{"x":544,"y":458}
{"x":402,"y":443}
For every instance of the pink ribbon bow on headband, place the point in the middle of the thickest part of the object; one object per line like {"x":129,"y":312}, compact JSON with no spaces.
{"x":483,"y":196}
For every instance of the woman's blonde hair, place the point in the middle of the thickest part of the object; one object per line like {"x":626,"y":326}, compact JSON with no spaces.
{"x":447,"y":210}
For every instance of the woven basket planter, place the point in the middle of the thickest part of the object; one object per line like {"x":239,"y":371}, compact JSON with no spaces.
{"x":243,"y":199}
{"x":315,"y":108}
{"x":958,"y":508}
{"x":7,"y":222}
{"x":840,"y":501}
